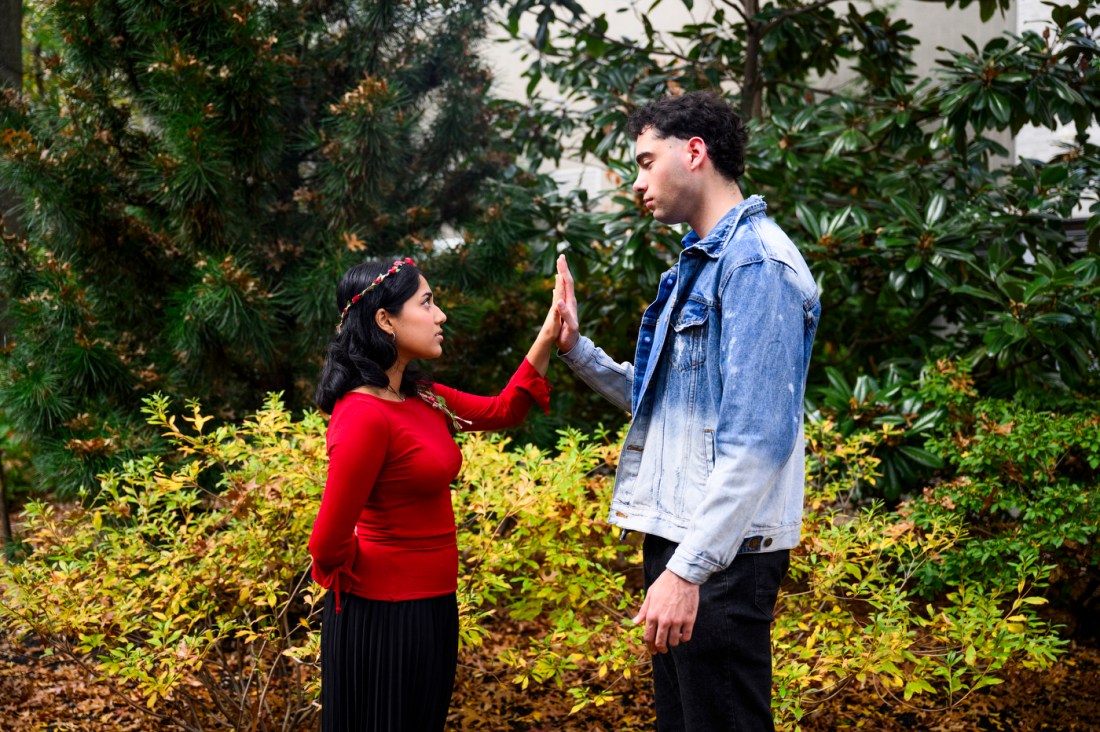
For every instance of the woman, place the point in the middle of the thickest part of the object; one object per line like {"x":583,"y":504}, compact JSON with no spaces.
{"x":384,"y":540}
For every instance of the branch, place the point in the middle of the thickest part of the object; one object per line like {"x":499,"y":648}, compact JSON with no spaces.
{"x":792,"y":13}
{"x":217,"y":695}
{"x":737,"y":8}
{"x":623,"y":44}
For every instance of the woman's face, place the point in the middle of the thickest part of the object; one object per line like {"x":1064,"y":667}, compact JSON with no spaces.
{"x":418,"y":327}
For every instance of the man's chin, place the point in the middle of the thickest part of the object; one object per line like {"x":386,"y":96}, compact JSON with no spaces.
{"x":666,"y":218}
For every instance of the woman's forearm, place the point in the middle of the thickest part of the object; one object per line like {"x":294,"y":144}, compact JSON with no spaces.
{"x":546,"y":340}
{"x":539,"y":354}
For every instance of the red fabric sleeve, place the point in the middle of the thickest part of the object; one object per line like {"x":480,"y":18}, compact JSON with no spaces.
{"x":358,"y":437}
{"x":526,"y":387}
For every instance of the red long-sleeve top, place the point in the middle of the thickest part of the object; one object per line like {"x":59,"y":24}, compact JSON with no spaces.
{"x":386,"y":528}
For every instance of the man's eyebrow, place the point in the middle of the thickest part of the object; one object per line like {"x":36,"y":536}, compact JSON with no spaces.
{"x":640,"y":156}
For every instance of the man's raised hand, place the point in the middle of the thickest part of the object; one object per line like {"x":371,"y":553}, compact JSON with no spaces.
{"x":567,"y":308}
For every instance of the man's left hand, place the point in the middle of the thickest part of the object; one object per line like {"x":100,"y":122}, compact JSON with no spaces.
{"x":668,"y":612}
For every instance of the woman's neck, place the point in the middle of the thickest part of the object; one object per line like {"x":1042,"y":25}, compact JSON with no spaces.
{"x":396,"y":375}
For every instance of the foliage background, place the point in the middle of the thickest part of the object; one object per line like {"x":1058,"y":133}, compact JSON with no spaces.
{"x":193,"y":181}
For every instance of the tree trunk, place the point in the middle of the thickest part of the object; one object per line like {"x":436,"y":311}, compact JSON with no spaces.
{"x":11,"y":74}
{"x":5,"y":517}
{"x":752,"y":90}
{"x":11,"y":42}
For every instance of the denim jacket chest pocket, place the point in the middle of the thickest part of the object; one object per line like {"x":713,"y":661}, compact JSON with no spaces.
{"x":689,"y":342}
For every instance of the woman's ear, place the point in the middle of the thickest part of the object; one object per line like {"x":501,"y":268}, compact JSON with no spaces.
{"x":382,"y":320}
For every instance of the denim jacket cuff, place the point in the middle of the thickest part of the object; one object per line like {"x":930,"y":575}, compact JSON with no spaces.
{"x":695,"y":570}
{"x":583,"y":351}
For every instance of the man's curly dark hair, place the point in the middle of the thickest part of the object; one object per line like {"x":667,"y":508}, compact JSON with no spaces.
{"x":701,"y":114}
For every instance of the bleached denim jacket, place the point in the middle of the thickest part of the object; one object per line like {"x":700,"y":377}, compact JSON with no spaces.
{"x":714,"y":457}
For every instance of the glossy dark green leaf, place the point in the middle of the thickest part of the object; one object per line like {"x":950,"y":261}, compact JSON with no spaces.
{"x":1040,"y":283}
{"x":1000,"y":106}
{"x":922,"y":457}
{"x":1059,"y":319}
{"x":1054,"y":174}
{"x":937,"y":204}
{"x":927,"y":421}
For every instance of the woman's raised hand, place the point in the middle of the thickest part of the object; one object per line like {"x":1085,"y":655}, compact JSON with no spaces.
{"x":552,"y":323}
{"x":550,"y":333}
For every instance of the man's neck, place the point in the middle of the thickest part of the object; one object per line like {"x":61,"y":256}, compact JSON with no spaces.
{"x":714,"y":207}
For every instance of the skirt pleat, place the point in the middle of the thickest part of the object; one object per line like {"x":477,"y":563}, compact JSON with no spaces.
{"x":387,"y":666}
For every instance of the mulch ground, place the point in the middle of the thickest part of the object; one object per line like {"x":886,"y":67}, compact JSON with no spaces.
{"x":41,"y":693}
{"x":1065,"y":697}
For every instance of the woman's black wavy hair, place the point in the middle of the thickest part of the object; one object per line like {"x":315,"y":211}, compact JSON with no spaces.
{"x":361,"y":352}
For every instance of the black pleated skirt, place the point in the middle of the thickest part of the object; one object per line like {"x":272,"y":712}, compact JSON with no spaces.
{"x":387,"y":666}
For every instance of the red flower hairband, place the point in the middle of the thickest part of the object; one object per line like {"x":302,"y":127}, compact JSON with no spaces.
{"x":394,"y":269}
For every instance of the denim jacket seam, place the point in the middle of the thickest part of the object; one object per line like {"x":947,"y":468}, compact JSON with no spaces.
{"x":809,"y":304}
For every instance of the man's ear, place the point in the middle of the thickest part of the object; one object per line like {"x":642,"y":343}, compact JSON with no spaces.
{"x":697,"y":152}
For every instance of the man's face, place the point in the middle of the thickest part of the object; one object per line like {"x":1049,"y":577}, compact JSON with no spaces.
{"x":662,"y":182}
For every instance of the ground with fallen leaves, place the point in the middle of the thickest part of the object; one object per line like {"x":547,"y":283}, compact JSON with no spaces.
{"x":40,"y":693}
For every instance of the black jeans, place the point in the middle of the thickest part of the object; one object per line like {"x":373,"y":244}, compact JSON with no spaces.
{"x":720,"y":680}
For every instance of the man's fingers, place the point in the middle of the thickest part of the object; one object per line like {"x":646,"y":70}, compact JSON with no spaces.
{"x":665,"y":637}
{"x":567,"y":314}
{"x":652,"y":633}
{"x":662,"y":638}
{"x":563,"y":269}
{"x":566,"y":277}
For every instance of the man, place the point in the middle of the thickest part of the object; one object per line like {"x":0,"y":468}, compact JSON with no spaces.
{"x":712,"y":467}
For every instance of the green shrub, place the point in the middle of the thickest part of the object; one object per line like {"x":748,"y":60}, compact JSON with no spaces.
{"x":1023,"y":478}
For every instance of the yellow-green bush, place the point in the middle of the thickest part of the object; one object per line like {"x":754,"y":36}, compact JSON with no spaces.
{"x":186,"y":583}
{"x":851,"y":613}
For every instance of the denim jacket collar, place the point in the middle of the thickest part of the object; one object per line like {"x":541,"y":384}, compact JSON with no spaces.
{"x":714,"y":242}
{"x":652,"y":335}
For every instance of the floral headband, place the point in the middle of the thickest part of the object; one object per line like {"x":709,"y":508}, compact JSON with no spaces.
{"x":394,"y":269}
